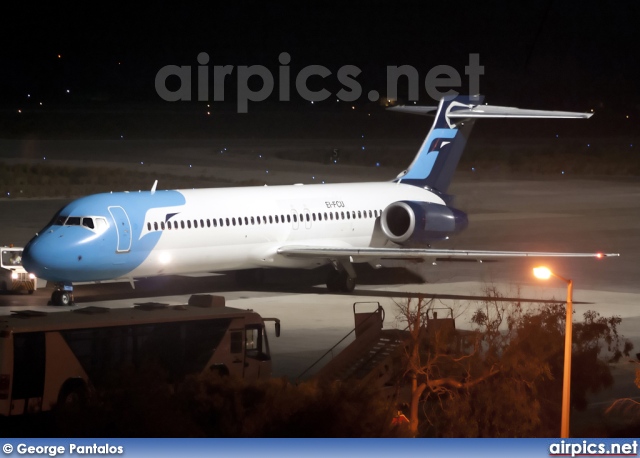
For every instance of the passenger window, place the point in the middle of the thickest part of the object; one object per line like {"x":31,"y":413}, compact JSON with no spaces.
{"x":233,"y":221}
{"x":162,"y":225}
{"x":271,"y":220}
{"x":195,"y":223}
{"x":277,"y":221}
{"x":288,"y":218}
{"x":253,"y":221}
{"x":246,"y":221}
{"x":295,"y":218}
{"x":313,"y":215}
{"x":149,"y":227}
{"x":201,"y":223}
{"x":175,"y":225}
{"x":215,"y":223}
{"x":228,"y":222}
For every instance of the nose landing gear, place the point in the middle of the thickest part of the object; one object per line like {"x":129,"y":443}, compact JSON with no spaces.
{"x":63,"y":295}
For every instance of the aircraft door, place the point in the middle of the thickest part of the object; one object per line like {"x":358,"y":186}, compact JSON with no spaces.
{"x":123,"y":229}
{"x":294,"y":219}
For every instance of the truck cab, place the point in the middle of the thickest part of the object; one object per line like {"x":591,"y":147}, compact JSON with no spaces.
{"x":13,"y":276}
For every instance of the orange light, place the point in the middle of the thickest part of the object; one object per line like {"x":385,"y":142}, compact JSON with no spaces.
{"x":599,"y":255}
{"x":542,"y":273}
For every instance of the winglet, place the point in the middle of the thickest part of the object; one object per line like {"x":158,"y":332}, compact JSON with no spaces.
{"x":153,"y":188}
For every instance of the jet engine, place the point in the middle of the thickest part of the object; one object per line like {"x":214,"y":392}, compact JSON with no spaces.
{"x":418,"y":223}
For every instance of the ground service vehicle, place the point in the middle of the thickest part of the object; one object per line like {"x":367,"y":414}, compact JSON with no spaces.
{"x":60,"y":357}
{"x":14,"y":277}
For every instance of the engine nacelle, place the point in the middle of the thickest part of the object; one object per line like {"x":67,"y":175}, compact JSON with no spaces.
{"x":409,"y":222}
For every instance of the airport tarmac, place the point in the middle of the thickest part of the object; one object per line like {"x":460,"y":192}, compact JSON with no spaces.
{"x":545,"y":214}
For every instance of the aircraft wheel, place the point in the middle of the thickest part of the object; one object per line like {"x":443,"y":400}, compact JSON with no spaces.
{"x":340,"y":281}
{"x":65,"y":298}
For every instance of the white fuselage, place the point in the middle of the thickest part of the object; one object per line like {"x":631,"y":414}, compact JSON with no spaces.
{"x":336,"y":215}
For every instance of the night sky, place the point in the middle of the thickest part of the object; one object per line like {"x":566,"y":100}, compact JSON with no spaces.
{"x":548,"y":54}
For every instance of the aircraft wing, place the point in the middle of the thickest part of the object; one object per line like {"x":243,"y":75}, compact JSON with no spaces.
{"x":302,"y":251}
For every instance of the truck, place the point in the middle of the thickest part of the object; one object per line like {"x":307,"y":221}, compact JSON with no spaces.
{"x":13,"y":276}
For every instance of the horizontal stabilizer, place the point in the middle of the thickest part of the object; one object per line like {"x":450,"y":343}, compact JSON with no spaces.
{"x":489,"y":111}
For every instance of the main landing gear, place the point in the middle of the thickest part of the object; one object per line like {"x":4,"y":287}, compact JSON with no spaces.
{"x":62,"y":295}
{"x":342,"y":278}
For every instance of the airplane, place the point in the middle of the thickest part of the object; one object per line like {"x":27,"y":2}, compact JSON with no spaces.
{"x":129,"y":235}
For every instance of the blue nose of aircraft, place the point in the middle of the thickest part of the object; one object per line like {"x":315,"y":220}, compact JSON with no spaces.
{"x":42,"y":258}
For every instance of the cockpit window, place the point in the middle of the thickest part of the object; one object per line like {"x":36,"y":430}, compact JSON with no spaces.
{"x":73,"y":221}
{"x":88,"y":222}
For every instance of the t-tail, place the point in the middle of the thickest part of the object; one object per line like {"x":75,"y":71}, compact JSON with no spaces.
{"x":438,"y":157}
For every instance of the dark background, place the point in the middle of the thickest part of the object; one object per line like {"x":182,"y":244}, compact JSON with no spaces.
{"x":565,"y":55}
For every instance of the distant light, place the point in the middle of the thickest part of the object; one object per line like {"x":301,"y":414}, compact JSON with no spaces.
{"x":121,"y":136}
{"x":335,"y":162}
{"x":141,"y":162}
{"x":542,"y":273}
{"x":29,"y":96}
{"x":627,"y":116}
{"x":337,"y":100}
{"x":631,"y":145}
{"x":260,"y":156}
{"x":557,"y":135}
{"x":68,"y":91}
{"x":377,"y":164}
{"x":363,"y":136}
{"x":563,"y":172}
{"x":592,"y":110}
{"x":353,"y":108}
{"x":208,"y":113}
{"x":599,"y":255}
{"x":189,"y":165}
{"x":588,"y":145}
{"x":19,"y":111}
{"x":313,"y":178}
{"x":322,"y":181}
{"x":59,"y":56}
{"x":40,"y":103}
{"x":267,"y":171}
{"x":363,"y":148}
{"x":312,"y":102}
{"x":44,"y":158}
{"x":415,"y":103}
{"x":473,"y":169}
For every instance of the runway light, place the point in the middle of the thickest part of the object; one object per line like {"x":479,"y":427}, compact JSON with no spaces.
{"x":599,"y":255}
{"x":563,"y":172}
{"x":377,"y":164}
{"x":542,"y":273}
{"x":68,"y":91}
{"x":473,"y":169}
